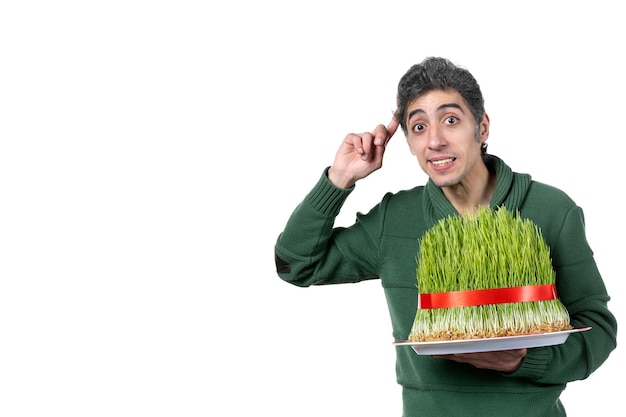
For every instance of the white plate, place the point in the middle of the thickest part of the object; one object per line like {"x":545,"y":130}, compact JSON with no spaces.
{"x":491,"y":343}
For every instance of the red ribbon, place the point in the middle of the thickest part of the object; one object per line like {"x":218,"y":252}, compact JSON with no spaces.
{"x":487,"y":296}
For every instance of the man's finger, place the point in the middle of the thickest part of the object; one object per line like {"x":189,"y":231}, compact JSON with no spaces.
{"x":393,"y":126}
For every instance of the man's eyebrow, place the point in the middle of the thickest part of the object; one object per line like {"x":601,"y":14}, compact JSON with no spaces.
{"x":442,"y":107}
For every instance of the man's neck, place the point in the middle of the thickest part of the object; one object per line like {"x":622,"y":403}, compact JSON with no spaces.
{"x":473,"y":192}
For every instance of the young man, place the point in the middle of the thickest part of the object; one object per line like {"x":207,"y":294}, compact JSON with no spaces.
{"x":441,"y":112}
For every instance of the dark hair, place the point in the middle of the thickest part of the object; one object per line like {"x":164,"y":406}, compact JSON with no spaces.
{"x":438,"y":74}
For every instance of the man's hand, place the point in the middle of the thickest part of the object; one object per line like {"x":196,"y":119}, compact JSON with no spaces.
{"x":360,"y":155}
{"x":503,"y":360}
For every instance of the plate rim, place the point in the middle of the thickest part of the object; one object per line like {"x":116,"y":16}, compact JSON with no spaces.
{"x":490,"y":339}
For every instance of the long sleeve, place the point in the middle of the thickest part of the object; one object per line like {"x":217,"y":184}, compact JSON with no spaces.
{"x":310,"y":251}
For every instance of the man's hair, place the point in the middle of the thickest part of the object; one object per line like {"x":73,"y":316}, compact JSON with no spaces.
{"x":435,"y":73}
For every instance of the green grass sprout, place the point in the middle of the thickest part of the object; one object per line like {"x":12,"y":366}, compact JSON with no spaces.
{"x":485,"y":249}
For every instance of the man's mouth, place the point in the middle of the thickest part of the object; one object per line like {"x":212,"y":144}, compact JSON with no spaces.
{"x":442,"y":162}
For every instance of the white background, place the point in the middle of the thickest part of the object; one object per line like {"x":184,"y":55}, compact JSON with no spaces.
{"x":151,"y":151}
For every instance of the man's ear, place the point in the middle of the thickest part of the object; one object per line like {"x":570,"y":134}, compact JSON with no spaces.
{"x":484,"y":128}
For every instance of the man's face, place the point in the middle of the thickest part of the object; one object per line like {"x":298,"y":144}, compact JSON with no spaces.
{"x":441,"y":132}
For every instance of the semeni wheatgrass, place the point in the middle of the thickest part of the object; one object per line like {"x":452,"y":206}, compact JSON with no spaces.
{"x":485,"y":249}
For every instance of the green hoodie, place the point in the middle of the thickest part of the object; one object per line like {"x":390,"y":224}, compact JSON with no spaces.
{"x":383,"y":244}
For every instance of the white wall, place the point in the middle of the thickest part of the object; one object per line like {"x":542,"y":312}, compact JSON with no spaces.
{"x":152,"y":151}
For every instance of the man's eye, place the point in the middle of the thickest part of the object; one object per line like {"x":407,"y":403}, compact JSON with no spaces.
{"x":418,"y":127}
{"x":451,"y":120}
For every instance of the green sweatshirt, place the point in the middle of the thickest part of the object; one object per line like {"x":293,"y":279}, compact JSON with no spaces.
{"x":383,"y":244}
